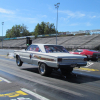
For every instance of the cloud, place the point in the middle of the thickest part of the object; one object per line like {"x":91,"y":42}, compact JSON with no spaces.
{"x":88,"y":24}
{"x":6,"y":11}
{"x":78,"y":14}
{"x":74,"y":24}
{"x":78,"y":24}
{"x":41,"y":16}
{"x":25,"y":19}
{"x":44,"y":16}
{"x":9,"y":15}
{"x":72,"y":14}
{"x":93,"y":16}
{"x":20,"y":19}
{"x":30,"y":20}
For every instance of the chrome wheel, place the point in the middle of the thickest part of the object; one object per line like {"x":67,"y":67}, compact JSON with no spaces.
{"x":18,"y":61}
{"x":42,"y":68}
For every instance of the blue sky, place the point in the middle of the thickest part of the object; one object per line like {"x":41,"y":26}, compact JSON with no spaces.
{"x":73,"y":15}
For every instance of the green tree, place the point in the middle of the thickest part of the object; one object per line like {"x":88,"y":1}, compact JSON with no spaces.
{"x":44,"y":28}
{"x":88,"y":34}
{"x":50,"y":28}
{"x":17,"y":31}
{"x":37,"y":30}
{"x":8,"y":33}
{"x":24,"y":31}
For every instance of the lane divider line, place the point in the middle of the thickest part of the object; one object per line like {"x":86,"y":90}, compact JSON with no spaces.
{"x":4,"y":80}
{"x":89,"y":64}
{"x":34,"y":94}
{"x":9,"y":57}
{"x":86,"y":69}
{"x":3,"y":55}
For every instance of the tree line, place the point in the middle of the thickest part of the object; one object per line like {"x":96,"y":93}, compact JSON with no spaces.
{"x":40,"y":29}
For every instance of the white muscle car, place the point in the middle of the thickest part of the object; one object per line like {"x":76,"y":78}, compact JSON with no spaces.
{"x":49,"y":57}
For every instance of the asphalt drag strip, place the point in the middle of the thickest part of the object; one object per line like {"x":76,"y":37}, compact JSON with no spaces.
{"x":34,"y":91}
{"x":22,"y":94}
{"x":10,"y":92}
{"x":91,"y":70}
{"x":3,"y":79}
{"x":22,"y":83}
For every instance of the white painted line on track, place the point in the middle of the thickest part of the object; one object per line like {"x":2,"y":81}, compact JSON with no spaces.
{"x":89,"y":64}
{"x":34,"y":94}
{"x":4,"y":80}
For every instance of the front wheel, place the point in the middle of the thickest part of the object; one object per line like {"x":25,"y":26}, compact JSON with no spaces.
{"x":44,"y":70}
{"x":18,"y":61}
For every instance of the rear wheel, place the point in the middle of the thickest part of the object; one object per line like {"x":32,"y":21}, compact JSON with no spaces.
{"x":18,"y":61}
{"x":44,"y":70}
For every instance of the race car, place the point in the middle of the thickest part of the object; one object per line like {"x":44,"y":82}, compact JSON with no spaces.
{"x":91,"y":54}
{"x":49,"y":57}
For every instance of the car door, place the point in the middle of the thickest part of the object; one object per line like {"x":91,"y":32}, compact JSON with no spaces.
{"x":26,"y":55}
{"x":30,"y":51}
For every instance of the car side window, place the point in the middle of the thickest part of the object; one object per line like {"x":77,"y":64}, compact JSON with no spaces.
{"x":76,"y":51}
{"x":80,"y":50}
{"x":28,"y":48}
{"x":54,"y":48}
{"x":34,"y":48}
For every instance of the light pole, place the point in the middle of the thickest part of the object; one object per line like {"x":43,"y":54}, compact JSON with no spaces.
{"x":2,"y":33}
{"x":57,"y":6}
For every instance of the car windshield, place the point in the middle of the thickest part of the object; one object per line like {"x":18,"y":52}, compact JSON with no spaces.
{"x":54,"y":48}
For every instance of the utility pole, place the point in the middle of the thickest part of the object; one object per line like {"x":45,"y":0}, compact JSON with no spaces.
{"x":2,"y":33}
{"x":57,"y":6}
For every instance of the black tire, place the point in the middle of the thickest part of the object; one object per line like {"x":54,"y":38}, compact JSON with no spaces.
{"x":44,"y":70}
{"x":18,"y":61}
{"x":66,"y":71}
